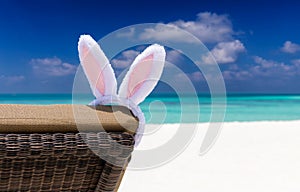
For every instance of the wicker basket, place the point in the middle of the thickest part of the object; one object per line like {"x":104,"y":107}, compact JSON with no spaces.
{"x":41,"y":148}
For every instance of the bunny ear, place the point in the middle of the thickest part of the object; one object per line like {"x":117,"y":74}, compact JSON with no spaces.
{"x":144,"y":74}
{"x":96,"y":67}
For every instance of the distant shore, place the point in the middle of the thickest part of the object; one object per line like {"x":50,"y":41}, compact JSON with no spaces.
{"x":172,"y":109}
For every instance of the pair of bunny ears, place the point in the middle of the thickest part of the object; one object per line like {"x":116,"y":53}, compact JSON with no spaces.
{"x":140,"y":80}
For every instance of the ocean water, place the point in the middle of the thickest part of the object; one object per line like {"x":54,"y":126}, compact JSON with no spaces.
{"x":187,"y":109}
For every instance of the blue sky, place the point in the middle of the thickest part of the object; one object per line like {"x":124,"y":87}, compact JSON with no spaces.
{"x":256,"y":43}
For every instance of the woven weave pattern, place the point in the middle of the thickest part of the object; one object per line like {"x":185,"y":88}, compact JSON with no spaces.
{"x":63,"y":162}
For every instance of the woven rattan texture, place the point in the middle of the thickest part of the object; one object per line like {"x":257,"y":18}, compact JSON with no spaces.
{"x":63,"y":161}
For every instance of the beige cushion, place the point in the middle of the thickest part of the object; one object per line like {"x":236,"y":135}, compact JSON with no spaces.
{"x":65,"y":118}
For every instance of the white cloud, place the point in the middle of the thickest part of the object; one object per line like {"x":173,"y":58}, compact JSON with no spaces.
{"x":273,"y":68}
{"x":224,"y":52}
{"x":129,"y":33}
{"x":165,"y":33}
{"x":130,"y":54}
{"x":196,"y":76}
{"x":264,"y":68}
{"x":296,"y":62}
{"x":175,"y":57}
{"x":266,"y":63}
{"x":9,"y":80}
{"x":208,"y":27}
{"x":52,"y":67}
{"x":236,"y":75}
{"x":289,"y":47}
{"x":212,"y":28}
{"x":126,"y":58}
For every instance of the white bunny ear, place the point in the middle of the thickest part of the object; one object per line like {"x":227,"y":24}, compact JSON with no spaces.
{"x":96,"y":67}
{"x":144,"y":74}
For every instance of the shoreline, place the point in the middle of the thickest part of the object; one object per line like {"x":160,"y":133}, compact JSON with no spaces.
{"x":260,"y":121}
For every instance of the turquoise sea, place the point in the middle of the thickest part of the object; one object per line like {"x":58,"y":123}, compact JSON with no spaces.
{"x":171,"y":109}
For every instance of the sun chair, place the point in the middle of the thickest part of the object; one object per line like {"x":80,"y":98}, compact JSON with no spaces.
{"x":41,"y":148}
{"x":79,"y":147}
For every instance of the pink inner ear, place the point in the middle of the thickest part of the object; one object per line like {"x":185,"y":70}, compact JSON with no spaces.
{"x":100,"y":83}
{"x":93,"y":70}
{"x":139,"y":75}
{"x":85,"y":50}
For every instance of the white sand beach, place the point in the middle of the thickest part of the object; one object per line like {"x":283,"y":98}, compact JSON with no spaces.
{"x":247,"y":156}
